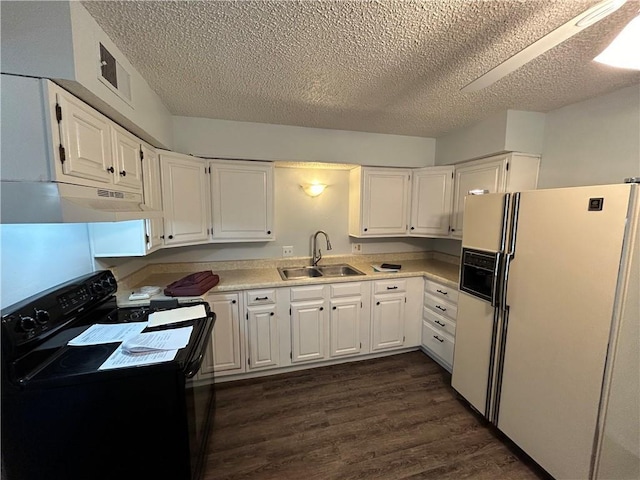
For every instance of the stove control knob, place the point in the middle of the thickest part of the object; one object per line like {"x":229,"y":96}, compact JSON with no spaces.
{"x":106,"y":284}
{"x":42,"y":316}
{"x":27,"y":324}
{"x":97,"y":287}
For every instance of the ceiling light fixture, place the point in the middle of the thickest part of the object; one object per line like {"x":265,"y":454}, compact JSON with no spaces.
{"x":537,"y":48}
{"x":314,"y":189}
{"x":623,"y":51}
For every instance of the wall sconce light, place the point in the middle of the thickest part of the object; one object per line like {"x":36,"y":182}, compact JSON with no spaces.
{"x":313,"y":189}
{"x":623,"y":51}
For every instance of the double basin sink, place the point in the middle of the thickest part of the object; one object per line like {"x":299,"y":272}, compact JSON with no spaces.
{"x":297,"y":273}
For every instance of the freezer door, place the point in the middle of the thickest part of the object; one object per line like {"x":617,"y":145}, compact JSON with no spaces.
{"x":484,"y":223}
{"x":560,"y":298}
{"x":472,"y":355}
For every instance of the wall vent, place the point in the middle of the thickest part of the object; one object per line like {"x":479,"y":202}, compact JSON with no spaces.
{"x":114,"y":75}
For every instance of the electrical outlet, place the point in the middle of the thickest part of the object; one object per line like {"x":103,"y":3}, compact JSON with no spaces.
{"x":287,"y":251}
{"x":356,"y":248}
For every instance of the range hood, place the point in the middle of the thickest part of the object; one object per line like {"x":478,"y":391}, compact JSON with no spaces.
{"x":52,"y":202}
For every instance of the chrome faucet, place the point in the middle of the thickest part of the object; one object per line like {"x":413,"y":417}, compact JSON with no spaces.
{"x":317,"y":256}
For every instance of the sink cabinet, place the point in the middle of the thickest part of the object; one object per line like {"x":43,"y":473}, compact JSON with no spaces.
{"x":309,"y":324}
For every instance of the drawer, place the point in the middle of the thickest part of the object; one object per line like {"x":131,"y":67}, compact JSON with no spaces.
{"x":312,"y":292}
{"x":438,"y":322}
{"x":437,"y":342}
{"x":440,"y":291}
{"x":260,"y":297}
{"x":390,"y":286}
{"x":440,"y":306}
{"x":351,"y":289}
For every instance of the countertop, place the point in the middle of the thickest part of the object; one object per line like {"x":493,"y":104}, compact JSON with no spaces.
{"x":232,"y":280}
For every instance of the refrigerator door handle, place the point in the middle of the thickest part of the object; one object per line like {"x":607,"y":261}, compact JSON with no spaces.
{"x":505,"y":281}
{"x":496,"y":281}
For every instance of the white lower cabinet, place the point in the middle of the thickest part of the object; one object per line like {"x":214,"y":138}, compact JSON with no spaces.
{"x":308,"y":324}
{"x":225,"y":353}
{"x":387,"y":324}
{"x":345,"y":327}
{"x":263,"y":342}
{"x":439,"y":322}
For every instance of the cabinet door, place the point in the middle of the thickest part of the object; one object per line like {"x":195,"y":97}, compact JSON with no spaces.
{"x":264,"y":347}
{"x":128,"y":168}
{"x":242,"y":200}
{"x":485,"y":176}
{"x":308,"y":340}
{"x":344,"y":334}
{"x":86,"y":137}
{"x":431,"y":201}
{"x":151,"y":187}
{"x":385,"y":202}
{"x":185,"y":198}
{"x":387,"y":329}
{"x":225,"y":355}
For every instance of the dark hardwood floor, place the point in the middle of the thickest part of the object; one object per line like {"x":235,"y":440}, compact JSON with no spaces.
{"x":389,"y":418}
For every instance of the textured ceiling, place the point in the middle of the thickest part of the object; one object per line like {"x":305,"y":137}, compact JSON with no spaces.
{"x":382,"y":66}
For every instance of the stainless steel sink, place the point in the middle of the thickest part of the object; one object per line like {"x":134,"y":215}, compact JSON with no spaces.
{"x":297,"y":273}
{"x":342,"y":270}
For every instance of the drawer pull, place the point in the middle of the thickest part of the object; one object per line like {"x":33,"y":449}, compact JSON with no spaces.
{"x":440,"y":291}
{"x":392,"y":288}
{"x":439,"y":323}
{"x":438,"y":338}
{"x":440,"y":308}
{"x":261,"y":298}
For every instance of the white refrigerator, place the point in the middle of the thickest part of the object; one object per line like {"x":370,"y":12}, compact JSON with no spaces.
{"x":547,"y":336}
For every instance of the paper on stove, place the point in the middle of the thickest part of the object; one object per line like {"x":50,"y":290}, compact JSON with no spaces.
{"x":120,"y":359}
{"x":98,"y":334}
{"x":172,"y":339}
{"x":175,"y":315}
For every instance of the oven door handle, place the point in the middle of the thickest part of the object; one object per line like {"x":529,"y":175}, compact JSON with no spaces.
{"x":194,"y":364}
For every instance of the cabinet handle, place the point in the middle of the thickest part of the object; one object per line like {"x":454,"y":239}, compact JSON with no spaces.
{"x":272,"y":314}
{"x":261,"y":298}
{"x":413,"y":228}
{"x":123,"y":173}
{"x":438,"y":322}
{"x":440,"y":291}
{"x":321,"y":308}
{"x":170,"y":237}
{"x":268,"y":232}
{"x":392,"y":288}
{"x":335,"y":308}
{"x":366,"y":229}
{"x":162,"y":237}
{"x":233,"y":301}
{"x":111,"y":169}
{"x":453,"y":229}
{"x":438,"y":338}
{"x":440,"y":308}
{"x":377,"y":303}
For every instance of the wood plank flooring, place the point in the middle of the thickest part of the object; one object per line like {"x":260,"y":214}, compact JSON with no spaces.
{"x":390,"y":418}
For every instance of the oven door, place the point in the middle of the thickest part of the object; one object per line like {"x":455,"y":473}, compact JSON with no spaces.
{"x":200,"y":405}
{"x":479,"y":274}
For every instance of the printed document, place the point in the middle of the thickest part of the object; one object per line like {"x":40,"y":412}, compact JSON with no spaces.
{"x":99,"y":333}
{"x":172,"y":339}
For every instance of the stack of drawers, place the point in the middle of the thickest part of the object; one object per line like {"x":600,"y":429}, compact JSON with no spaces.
{"x":439,"y":322}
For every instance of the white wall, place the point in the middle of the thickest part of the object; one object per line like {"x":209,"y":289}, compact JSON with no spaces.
{"x":36,"y":257}
{"x":261,"y":141}
{"x":596,"y":141}
{"x":507,"y":131}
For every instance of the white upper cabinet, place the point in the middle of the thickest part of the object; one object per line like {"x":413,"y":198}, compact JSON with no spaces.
{"x":185,"y":198}
{"x":242,"y":201}
{"x":135,"y":237}
{"x":431,"y":199}
{"x":85,"y":144}
{"x":378,"y":201}
{"x":502,"y":173}
{"x":128,"y":168}
{"x":152,"y":193}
